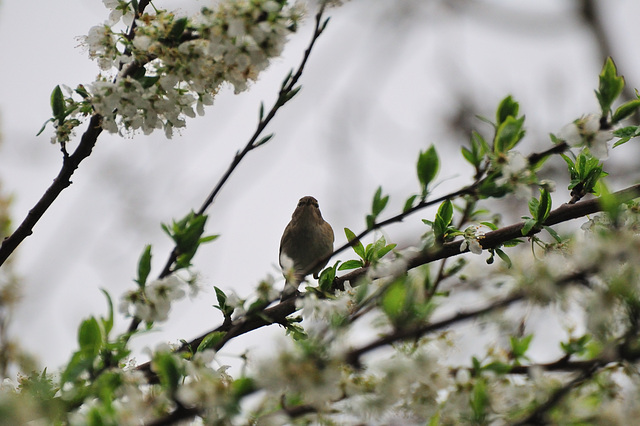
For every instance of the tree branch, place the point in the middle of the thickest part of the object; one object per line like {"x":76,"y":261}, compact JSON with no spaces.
{"x":284,"y":96}
{"x":279,"y":312}
{"x":63,"y":180}
{"x":498,"y":237}
{"x":538,"y":416}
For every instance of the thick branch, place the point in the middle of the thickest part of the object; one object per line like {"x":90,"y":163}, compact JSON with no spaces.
{"x":278,"y":313}
{"x":498,"y":237}
{"x":63,"y":180}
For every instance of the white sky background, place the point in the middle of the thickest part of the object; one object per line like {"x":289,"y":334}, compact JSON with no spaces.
{"x":383,"y":82}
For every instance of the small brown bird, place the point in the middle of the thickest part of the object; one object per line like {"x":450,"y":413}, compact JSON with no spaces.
{"x":305,"y":241}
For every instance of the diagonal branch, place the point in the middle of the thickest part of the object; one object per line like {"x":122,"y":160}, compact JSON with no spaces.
{"x":278,"y":313}
{"x":286,"y":93}
{"x":498,"y":237}
{"x":63,"y":180}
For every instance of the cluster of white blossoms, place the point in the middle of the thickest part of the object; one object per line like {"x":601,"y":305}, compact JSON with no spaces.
{"x":586,"y":132}
{"x":516,"y":175}
{"x":174,"y":66}
{"x":153,"y":302}
{"x":472,"y":236}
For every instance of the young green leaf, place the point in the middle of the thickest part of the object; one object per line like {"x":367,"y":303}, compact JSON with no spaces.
{"x":166,"y":366}
{"x":358,"y":248}
{"x":211,"y":340}
{"x":107,"y":323}
{"x":610,"y":86}
{"x":393,"y":300}
{"x":508,"y":134}
{"x":57,"y":104}
{"x":505,"y":258}
{"x":263,"y":140}
{"x":544,"y":207}
{"x":408,"y":205}
{"x":379,"y":202}
{"x":625,"y":110}
{"x":144,"y":266}
{"x":351,"y":264}
{"x":178,"y":27}
{"x":90,"y":337}
{"x":445,"y":212}
{"x":427,"y":167}
{"x":507,"y":108}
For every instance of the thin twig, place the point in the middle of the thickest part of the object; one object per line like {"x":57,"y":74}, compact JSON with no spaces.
{"x":283,"y":97}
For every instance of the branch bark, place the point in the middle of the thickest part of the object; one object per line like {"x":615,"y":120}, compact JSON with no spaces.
{"x":63,"y":180}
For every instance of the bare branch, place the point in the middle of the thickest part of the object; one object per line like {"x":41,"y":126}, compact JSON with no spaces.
{"x":63,"y":180}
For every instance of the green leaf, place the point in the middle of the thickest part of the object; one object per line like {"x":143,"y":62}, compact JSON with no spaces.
{"x":107,"y":323}
{"x":325,"y":280}
{"x":178,"y":27}
{"x":505,"y":258}
{"x":286,"y":80}
{"x":263,"y":140}
{"x":208,"y":239}
{"x":358,"y":248}
{"x":519,"y":346}
{"x":507,"y":108}
{"x":242,"y":387}
{"x":408,"y":205}
{"x":528,"y":226}
{"x":351,"y":264}
{"x":609,"y":203}
{"x":469,"y":156}
{"x":144,"y":266}
{"x":78,"y":364}
{"x":445,"y":212}
{"x":371,"y":221}
{"x":610,"y":86}
{"x":508,"y":134}
{"x":384,"y":250}
{"x":379,"y":202}
{"x":553,"y":233}
{"x":211,"y":340}
{"x":44,"y":126}
{"x":625,"y":134}
{"x":498,"y":367}
{"x":393,"y":300}
{"x":625,"y":110}
{"x":427,"y":168}
{"x":57,"y":104}
{"x":191,"y":235}
{"x":479,"y":402}
{"x":576,"y":346}
{"x":292,"y":93}
{"x":222,"y":298}
{"x":534,"y":203}
{"x":166,"y":366}
{"x":90,"y":337}
{"x":544,"y":207}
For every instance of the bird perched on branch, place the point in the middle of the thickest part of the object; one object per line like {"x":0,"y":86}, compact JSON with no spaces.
{"x":306,"y":240}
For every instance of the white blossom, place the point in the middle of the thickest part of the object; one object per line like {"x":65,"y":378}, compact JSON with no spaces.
{"x":472,"y":236}
{"x":516,"y":175}
{"x":586,"y":132}
{"x":234,"y":43}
